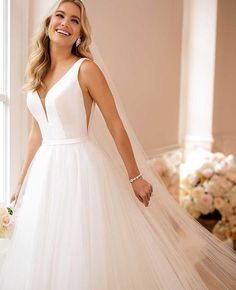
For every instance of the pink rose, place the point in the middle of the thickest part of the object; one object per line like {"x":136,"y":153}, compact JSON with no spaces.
{"x":219,"y":202}
{"x":206,"y":199}
{"x":205,"y":203}
{"x":207,"y":172}
{"x":5,"y":220}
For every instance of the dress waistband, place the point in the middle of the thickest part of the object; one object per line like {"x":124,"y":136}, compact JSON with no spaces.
{"x":65,"y":141}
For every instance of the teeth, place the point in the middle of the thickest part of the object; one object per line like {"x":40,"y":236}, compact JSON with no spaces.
{"x":63,"y":32}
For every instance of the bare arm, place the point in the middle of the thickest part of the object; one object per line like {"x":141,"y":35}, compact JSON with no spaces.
{"x":95,"y":82}
{"x":34,"y":141}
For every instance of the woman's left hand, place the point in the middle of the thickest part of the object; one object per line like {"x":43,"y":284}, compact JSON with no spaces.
{"x":143,"y":190}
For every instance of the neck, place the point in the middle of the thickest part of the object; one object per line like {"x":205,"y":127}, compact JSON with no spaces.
{"x":59,"y":54}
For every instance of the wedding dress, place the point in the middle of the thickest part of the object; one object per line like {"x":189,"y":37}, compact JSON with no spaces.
{"x":80,"y":226}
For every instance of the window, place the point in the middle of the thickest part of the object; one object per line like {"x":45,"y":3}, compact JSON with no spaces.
{"x":3,"y":100}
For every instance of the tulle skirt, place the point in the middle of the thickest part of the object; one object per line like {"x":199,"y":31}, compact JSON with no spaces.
{"x":81,"y":227}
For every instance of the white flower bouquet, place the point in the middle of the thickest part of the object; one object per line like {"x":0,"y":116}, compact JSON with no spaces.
{"x":6,"y":221}
{"x":211,"y":187}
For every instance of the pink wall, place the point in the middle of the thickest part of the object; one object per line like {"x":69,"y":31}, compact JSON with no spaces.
{"x":140,"y":42}
{"x":224,"y":125}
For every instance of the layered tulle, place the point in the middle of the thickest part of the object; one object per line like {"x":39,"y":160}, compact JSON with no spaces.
{"x":81,"y":227}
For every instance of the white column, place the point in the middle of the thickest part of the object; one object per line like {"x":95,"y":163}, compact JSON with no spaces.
{"x":197,"y":75}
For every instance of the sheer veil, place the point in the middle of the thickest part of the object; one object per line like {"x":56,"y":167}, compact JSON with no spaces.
{"x":100,"y":132}
{"x":203,"y":261}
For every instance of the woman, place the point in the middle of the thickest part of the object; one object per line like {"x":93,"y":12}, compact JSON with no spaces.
{"x":79,"y":225}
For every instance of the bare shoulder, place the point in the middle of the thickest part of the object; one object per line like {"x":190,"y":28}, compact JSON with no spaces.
{"x":92,"y":80}
{"x":90,"y":72}
{"x":88,"y":65}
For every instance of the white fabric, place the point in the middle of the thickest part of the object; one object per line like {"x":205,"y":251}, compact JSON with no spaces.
{"x":79,"y":225}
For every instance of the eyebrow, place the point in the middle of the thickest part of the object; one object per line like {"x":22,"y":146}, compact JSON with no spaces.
{"x":74,"y":16}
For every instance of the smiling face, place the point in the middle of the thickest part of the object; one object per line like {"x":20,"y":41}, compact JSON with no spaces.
{"x":65,"y":27}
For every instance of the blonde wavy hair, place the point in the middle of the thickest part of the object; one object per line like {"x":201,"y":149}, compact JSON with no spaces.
{"x":39,"y":59}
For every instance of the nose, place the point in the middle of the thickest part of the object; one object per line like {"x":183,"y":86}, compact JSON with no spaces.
{"x":64,"y":22}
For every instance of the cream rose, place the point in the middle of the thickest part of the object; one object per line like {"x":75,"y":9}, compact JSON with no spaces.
{"x":219,"y":202}
{"x":5,"y":220}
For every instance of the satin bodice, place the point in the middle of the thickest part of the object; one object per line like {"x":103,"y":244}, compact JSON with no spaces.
{"x":64,"y":114}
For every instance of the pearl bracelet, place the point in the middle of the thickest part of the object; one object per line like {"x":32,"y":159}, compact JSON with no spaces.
{"x":135,"y":178}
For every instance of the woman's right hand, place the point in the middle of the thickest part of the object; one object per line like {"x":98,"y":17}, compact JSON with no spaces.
{"x":15,"y":195}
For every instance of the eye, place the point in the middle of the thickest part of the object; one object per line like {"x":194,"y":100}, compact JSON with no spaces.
{"x":75,"y":21}
{"x":59,"y":15}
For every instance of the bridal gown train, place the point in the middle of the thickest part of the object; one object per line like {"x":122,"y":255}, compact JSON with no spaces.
{"x":81,"y":227}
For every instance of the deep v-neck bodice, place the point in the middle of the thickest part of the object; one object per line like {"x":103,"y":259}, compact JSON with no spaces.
{"x":48,"y":92}
{"x":63,"y":113}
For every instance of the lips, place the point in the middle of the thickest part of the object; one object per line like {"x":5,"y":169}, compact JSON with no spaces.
{"x":63,"y":32}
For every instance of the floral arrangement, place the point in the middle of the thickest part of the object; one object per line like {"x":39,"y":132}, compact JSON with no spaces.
{"x":6,"y":221}
{"x":210,"y":187}
{"x":167,"y":167}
